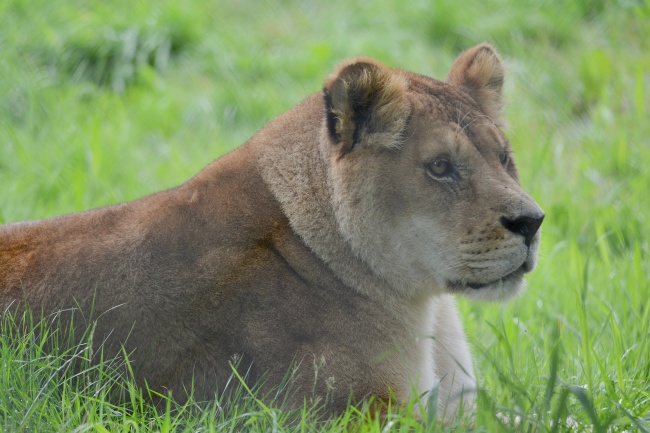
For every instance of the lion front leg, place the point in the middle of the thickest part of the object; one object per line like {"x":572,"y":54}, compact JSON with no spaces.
{"x":452,"y":360}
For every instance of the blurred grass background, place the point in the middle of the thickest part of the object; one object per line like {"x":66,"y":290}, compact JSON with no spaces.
{"x":102,"y":102}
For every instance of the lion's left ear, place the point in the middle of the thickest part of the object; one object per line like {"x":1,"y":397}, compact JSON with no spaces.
{"x":365,"y":105}
{"x":479,"y":72}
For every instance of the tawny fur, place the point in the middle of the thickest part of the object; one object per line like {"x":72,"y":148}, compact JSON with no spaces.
{"x":324,"y":241}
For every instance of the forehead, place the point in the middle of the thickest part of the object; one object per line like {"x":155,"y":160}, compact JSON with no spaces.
{"x":452,"y":112}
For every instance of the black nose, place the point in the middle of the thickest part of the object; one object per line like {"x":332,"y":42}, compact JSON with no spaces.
{"x":525,"y":225}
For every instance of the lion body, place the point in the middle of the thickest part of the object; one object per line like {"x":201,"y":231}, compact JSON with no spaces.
{"x":291,"y":250}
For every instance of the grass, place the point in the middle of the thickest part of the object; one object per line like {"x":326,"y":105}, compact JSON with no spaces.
{"x":105,"y":102}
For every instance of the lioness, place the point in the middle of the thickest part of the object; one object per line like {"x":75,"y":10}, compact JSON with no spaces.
{"x":335,"y":237}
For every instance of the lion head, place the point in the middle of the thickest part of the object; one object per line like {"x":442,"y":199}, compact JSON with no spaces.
{"x":422,"y":178}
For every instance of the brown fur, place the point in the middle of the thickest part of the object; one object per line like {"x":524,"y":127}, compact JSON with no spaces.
{"x":323,"y":240}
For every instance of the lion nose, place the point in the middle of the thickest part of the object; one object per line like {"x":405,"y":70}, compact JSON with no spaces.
{"x":526,"y":225}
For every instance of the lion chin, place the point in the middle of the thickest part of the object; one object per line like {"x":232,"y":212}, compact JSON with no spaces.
{"x":331,"y":243}
{"x":503,"y":288}
{"x":498,"y":290}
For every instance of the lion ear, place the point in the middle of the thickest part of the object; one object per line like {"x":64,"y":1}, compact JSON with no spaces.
{"x":479,"y":72}
{"x":365,"y":105}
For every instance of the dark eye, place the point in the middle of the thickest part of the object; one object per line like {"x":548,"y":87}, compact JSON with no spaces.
{"x":440,"y":167}
{"x":504,"y":157}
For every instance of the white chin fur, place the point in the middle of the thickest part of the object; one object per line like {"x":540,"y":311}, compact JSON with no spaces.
{"x":498,"y":291}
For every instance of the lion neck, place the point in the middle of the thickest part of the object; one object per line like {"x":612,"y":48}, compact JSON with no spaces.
{"x":296,"y":174}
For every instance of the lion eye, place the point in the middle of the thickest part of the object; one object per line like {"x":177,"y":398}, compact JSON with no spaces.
{"x":504,"y":157}
{"x":440,"y":167}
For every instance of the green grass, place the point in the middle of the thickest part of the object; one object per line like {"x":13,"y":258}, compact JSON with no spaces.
{"x":102,"y":102}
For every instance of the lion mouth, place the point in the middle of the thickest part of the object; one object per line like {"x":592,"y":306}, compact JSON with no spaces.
{"x":517,"y":274}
